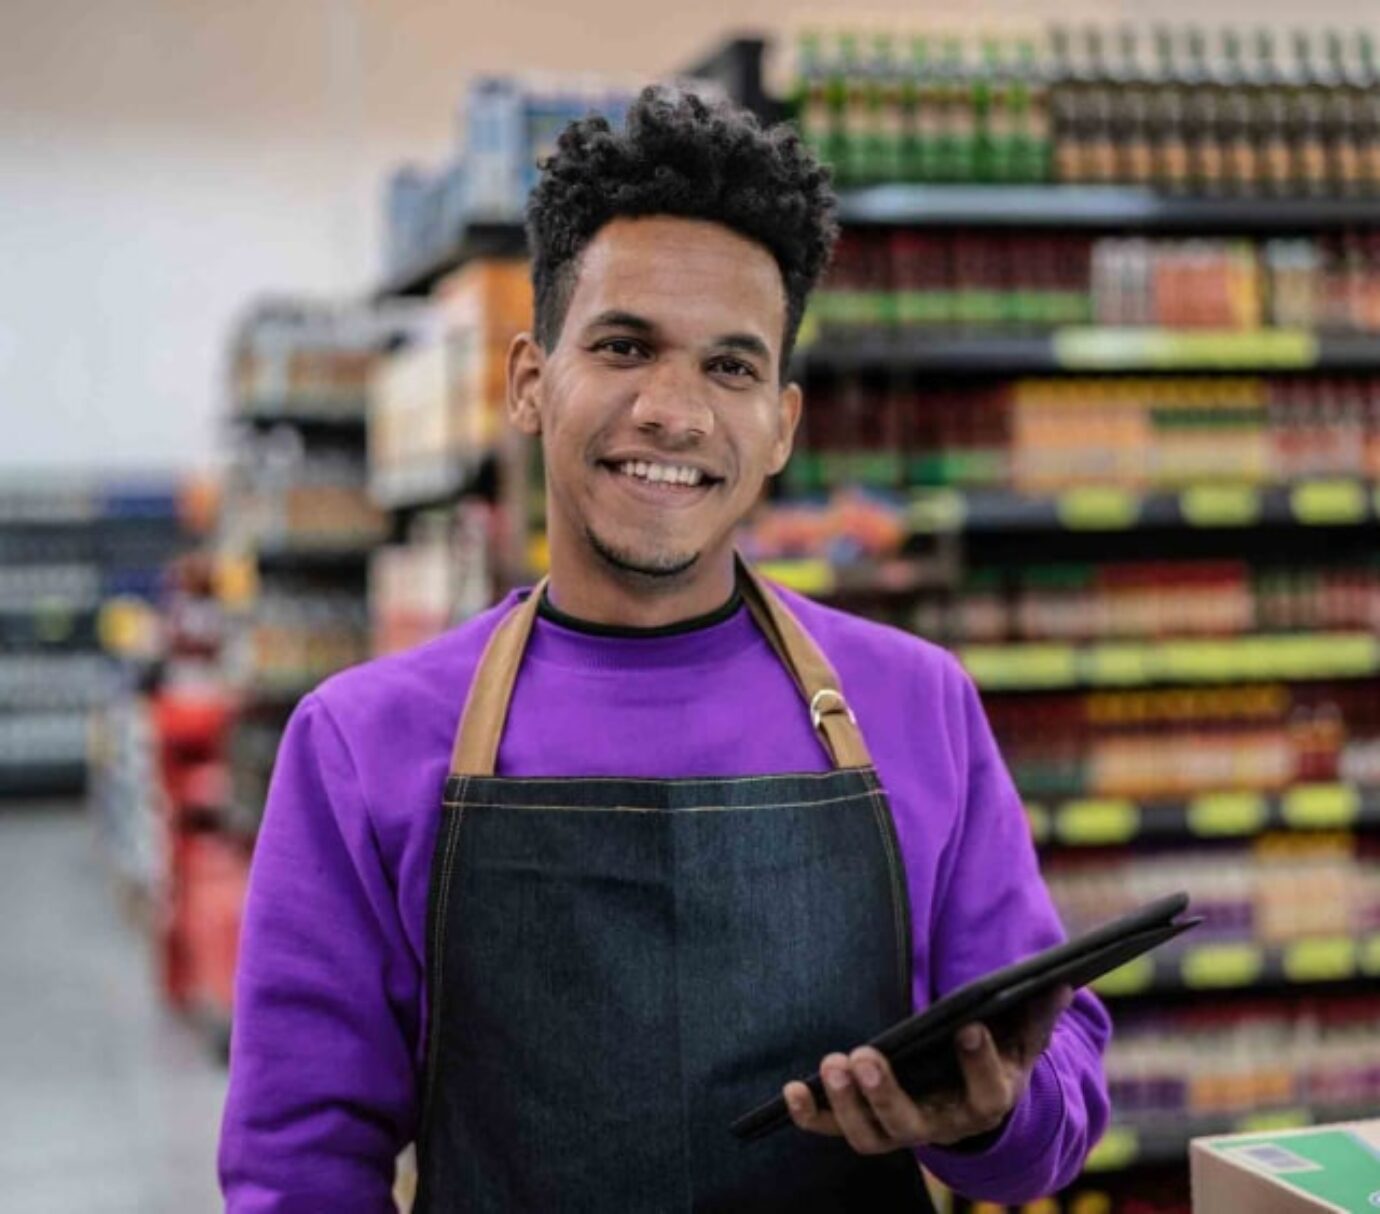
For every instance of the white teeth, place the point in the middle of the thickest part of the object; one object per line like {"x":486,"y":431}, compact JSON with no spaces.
{"x":661,"y":473}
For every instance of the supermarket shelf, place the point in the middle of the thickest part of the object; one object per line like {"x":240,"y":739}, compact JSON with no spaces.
{"x":1331,"y":502}
{"x":1095,"y":208}
{"x":435,"y":482}
{"x":50,"y":629}
{"x":41,"y":779}
{"x":1245,"y":965}
{"x":1112,"y":821}
{"x":1263,"y":657}
{"x":278,"y":693}
{"x":1130,"y":1144}
{"x":963,"y":352}
{"x":495,"y":238}
{"x":267,"y":414}
{"x":302,"y":554}
{"x":899,"y":575}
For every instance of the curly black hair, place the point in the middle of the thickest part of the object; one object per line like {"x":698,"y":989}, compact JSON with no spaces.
{"x":680,"y":155}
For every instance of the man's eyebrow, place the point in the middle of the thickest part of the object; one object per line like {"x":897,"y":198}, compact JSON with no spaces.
{"x":745,"y":342}
{"x":614,"y":319}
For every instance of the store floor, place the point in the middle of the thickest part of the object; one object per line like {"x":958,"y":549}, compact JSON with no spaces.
{"x":108,"y":1104}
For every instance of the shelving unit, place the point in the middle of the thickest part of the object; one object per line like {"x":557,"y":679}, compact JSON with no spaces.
{"x":1124,"y":351}
{"x":71,"y":552}
{"x":1115,"y":821}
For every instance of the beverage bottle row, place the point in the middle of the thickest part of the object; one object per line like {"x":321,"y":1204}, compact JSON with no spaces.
{"x":1243,"y":112}
{"x":985,"y":280}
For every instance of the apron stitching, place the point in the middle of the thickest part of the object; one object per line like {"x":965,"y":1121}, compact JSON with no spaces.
{"x":686,"y":809}
{"x":885,"y":827}
{"x":713,"y":780}
{"x":438,"y":963}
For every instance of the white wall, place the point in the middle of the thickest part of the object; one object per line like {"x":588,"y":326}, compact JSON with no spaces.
{"x":164,"y":161}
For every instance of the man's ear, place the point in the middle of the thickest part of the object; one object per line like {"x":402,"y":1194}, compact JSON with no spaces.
{"x":526,"y":363}
{"x":788,"y":419}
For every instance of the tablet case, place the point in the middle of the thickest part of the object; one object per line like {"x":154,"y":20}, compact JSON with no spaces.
{"x":920,"y":1048}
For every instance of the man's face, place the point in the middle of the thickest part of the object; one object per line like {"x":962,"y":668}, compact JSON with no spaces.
{"x":667,"y":364}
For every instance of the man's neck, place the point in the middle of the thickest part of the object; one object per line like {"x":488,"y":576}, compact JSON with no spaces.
{"x":615,"y":603}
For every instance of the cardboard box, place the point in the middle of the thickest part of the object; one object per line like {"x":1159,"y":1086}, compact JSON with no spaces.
{"x":1320,"y":1168}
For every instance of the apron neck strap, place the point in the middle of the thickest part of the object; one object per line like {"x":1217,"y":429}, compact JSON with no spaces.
{"x":491,"y":689}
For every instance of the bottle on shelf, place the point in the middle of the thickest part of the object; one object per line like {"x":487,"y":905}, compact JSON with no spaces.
{"x":1066,"y":108}
{"x":1368,"y":112}
{"x":814,"y":106}
{"x":1169,"y":117}
{"x":1342,"y":119}
{"x":1030,"y":125}
{"x":1273,"y":119}
{"x":1134,"y":146}
{"x":1203,"y":117}
{"x":1309,"y":94}
{"x":1100,"y":100}
{"x":1241,"y":160}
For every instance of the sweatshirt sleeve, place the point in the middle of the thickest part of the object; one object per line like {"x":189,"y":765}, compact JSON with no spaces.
{"x":322,"y":1081}
{"x":992,"y":908}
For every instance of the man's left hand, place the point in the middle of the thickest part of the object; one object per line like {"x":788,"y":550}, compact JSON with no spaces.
{"x":869,"y":1108}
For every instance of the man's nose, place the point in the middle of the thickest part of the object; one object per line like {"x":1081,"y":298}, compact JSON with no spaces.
{"x":675,"y":400}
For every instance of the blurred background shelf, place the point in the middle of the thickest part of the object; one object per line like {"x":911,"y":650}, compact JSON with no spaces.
{"x":1126,"y":350}
{"x":1114,"y":821}
{"x":1094,"y":208}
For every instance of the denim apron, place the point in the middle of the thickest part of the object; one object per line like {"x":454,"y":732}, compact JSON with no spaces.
{"x":618,"y":968}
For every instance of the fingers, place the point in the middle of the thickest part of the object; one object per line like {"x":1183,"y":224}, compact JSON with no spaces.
{"x":890,"y":1107}
{"x":806,"y":1114}
{"x":992,"y":1088}
{"x":851,"y":1109}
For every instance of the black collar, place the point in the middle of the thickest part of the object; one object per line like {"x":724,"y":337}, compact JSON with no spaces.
{"x":549,"y":611}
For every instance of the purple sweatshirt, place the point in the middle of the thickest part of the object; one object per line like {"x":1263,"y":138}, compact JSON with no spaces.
{"x":330,"y":1018}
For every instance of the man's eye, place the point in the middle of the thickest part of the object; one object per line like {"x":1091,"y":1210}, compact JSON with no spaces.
{"x":619,"y":347}
{"x":735,"y":368}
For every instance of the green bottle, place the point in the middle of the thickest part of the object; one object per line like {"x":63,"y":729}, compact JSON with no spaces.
{"x":814,"y":113}
{"x":886,"y":136}
{"x":1029,"y":115}
{"x":857,"y":113}
{"x":959,"y":136}
{"x":930,"y":115}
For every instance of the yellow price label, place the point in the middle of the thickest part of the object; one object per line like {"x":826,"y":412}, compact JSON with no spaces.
{"x":1220,"y":506}
{"x":1325,"y":503}
{"x":1198,"y":661}
{"x":1038,"y":816}
{"x":813,"y":577}
{"x":1012,"y":666}
{"x":1222,"y":965}
{"x":1119,"y":665}
{"x":1118,"y":1149}
{"x":1321,"y":806}
{"x":538,"y":554}
{"x":1112,"y":349}
{"x":944,"y":510}
{"x":1093,"y":823}
{"x":1098,"y":508}
{"x":1129,"y":979}
{"x":236,"y":581}
{"x":1215,"y":815}
{"x":1277,"y":1119}
{"x":1343,"y":656}
{"x":1330,"y":959}
{"x":1370,"y":955}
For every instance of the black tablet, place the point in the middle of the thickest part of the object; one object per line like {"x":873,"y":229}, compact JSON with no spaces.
{"x":921,"y":1047}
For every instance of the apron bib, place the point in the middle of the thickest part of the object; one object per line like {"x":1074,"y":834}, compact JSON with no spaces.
{"x":619,"y":968}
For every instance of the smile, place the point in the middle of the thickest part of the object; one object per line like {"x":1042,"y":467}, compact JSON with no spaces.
{"x":661,"y":482}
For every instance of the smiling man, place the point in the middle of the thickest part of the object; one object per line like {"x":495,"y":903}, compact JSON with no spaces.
{"x":563,"y":893}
